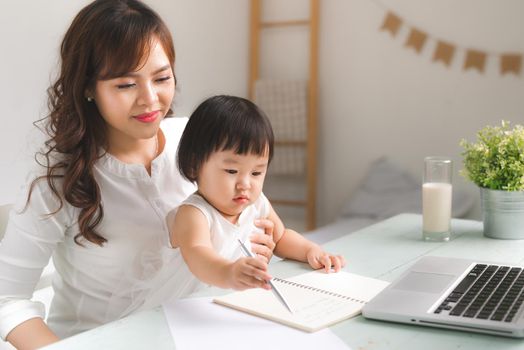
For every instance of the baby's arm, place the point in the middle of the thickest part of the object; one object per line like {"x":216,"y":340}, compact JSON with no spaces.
{"x":292,"y":245}
{"x":189,"y":230}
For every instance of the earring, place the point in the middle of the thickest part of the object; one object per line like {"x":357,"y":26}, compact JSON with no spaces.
{"x":89,"y":99}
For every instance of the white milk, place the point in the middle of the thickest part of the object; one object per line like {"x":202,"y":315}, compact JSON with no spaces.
{"x":436,"y":207}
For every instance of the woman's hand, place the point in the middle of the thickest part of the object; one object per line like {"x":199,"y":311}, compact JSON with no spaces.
{"x":263,"y":244}
{"x":318,"y":258}
{"x":247,"y":273}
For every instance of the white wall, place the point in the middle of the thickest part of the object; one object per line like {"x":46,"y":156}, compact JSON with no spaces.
{"x":380,"y":98}
{"x":211,"y":40}
{"x":29,"y":35}
{"x":376,"y":97}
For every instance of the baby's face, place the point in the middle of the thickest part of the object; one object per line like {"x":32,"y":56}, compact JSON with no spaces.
{"x":230,"y":182}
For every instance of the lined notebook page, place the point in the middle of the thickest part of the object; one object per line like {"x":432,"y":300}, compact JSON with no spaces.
{"x":318,"y":299}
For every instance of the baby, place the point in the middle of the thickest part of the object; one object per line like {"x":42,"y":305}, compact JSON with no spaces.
{"x":226,"y":148}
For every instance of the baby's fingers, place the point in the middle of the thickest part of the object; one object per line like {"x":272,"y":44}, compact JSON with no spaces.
{"x":262,"y":251}
{"x":258,"y":269}
{"x":252,"y":282}
{"x":325,"y":260}
{"x":337,"y":262}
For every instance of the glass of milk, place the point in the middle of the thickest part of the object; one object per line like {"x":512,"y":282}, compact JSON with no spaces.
{"x":436,"y":199}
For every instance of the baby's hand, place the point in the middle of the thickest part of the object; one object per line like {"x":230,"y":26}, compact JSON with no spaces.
{"x":247,"y":273}
{"x":318,"y":258}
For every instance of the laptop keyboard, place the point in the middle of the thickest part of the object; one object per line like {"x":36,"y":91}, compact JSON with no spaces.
{"x":488,"y":292}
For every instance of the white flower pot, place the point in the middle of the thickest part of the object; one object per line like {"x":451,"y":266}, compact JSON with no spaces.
{"x":503,"y":213}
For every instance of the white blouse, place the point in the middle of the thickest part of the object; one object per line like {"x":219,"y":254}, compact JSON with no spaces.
{"x":94,"y":285}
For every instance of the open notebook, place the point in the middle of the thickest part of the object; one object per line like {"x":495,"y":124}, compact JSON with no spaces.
{"x":318,"y":299}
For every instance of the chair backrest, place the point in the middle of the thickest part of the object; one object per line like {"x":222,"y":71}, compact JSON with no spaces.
{"x":4,"y":217}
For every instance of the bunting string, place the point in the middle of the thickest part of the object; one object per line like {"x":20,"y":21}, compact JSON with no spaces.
{"x":445,"y":51}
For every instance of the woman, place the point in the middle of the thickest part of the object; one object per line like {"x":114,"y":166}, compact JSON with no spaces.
{"x":106,"y":181}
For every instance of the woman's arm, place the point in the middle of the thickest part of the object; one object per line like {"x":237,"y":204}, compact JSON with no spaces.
{"x":30,"y":238}
{"x":189,"y":231}
{"x":31,"y":334}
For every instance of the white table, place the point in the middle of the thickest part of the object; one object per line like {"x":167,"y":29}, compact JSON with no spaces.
{"x":383,"y":251}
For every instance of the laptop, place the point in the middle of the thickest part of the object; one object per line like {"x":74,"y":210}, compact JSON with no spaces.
{"x":454,"y":293}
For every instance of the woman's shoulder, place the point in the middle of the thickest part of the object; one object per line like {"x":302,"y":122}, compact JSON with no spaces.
{"x":40,"y":196}
{"x":43,"y":182}
{"x":173,"y":127}
{"x":39,"y":177}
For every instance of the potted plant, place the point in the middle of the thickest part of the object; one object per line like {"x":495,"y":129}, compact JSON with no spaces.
{"x":496,"y":164}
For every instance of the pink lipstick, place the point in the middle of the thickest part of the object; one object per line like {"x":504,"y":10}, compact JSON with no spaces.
{"x":147,"y":117}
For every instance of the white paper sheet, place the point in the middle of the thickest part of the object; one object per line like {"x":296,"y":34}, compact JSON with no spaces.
{"x":198,"y":323}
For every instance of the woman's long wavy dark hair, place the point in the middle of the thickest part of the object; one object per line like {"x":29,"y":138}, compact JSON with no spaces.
{"x":107,"y":39}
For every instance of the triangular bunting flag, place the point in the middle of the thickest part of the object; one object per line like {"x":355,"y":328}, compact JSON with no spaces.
{"x":510,"y":63}
{"x":475,"y":59}
{"x":444,"y":52}
{"x":416,"y":39}
{"x":391,"y":23}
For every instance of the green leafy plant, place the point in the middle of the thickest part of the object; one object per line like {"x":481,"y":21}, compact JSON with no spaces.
{"x":496,"y":160}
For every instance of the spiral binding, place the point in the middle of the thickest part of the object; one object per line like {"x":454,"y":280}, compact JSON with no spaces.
{"x":318,"y":290}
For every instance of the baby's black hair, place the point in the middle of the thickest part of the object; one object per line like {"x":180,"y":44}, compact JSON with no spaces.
{"x":222,"y":123}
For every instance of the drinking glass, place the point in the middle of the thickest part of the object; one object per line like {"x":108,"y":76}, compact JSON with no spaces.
{"x":436,"y":199}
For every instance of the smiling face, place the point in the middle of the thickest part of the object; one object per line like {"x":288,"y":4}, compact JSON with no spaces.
{"x":133,"y":105}
{"x":230,"y":182}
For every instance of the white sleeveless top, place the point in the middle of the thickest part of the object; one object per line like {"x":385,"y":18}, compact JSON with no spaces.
{"x":224,"y":234}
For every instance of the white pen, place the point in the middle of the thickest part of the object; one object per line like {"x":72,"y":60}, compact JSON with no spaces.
{"x":277,"y":293}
